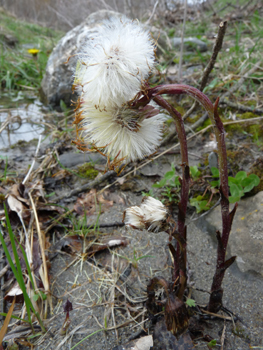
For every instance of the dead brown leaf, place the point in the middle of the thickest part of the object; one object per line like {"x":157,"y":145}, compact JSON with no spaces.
{"x":89,"y":202}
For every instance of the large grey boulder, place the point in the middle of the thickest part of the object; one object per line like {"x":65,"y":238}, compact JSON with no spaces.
{"x":190,"y":44}
{"x":246,"y":238}
{"x":57,"y":82}
{"x":58,"y":79}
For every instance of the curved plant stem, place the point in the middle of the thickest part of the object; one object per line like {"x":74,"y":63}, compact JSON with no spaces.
{"x":215,"y":301}
{"x":180,"y":262}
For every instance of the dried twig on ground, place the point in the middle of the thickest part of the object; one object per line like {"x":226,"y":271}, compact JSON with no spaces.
{"x":223,"y":337}
{"x":241,"y":107}
{"x":87,"y":186}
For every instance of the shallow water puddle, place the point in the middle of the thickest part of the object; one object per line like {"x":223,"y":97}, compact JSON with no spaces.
{"x":25,"y":121}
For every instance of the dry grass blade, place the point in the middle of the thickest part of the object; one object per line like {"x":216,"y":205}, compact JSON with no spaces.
{"x":7,"y":121}
{"x":43,"y":273}
{"x":33,"y":163}
{"x":7,"y":320}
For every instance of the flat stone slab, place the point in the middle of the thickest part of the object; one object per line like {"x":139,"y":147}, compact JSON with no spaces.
{"x":246,"y":238}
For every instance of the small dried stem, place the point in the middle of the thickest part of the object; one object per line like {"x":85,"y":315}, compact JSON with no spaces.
{"x":217,"y":47}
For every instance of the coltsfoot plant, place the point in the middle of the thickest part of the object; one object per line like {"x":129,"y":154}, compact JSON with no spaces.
{"x":120,"y":115}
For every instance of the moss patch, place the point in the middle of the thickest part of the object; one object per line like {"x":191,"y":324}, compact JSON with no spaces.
{"x":87,"y":170}
{"x":206,"y":123}
{"x":238,"y":158}
{"x":256,"y":130}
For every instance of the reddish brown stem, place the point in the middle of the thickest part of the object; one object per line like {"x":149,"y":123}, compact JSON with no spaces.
{"x":180,"y":261}
{"x":227,"y":218}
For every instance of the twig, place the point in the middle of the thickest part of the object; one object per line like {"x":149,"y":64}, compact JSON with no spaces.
{"x":216,"y":49}
{"x":223,"y":337}
{"x":151,"y":16}
{"x":34,"y":160}
{"x":87,"y":186}
{"x":216,"y":315}
{"x":211,"y":63}
{"x":182,"y":43}
{"x":241,"y":107}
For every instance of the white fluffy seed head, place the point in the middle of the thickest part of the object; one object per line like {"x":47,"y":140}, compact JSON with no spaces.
{"x":151,"y":215}
{"x":114,"y":63}
{"x":122,"y":133}
{"x":155,"y":213}
{"x":134,"y":217}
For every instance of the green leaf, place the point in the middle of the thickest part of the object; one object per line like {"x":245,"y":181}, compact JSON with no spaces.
{"x":232,"y":180}
{"x":177,"y":182}
{"x":17,"y":271}
{"x":250,"y":182}
{"x":27,"y":265}
{"x":199,"y":205}
{"x":63,"y":106}
{"x":169,"y":175}
{"x":190,"y":302}
{"x":35,"y":297}
{"x":215,"y":183}
{"x":233,"y":199}
{"x":145,"y":256}
{"x":255,"y":178}
{"x":241,"y":175}
{"x":212,"y":343}
{"x":235,"y":190}
{"x":194,"y":171}
{"x":215,"y":171}
{"x":160,"y":184}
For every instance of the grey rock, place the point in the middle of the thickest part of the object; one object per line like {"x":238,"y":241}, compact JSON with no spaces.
{"x":8,"y":38}
{"x":246,"y":238}
{"x":71,"y":159}
{"x":57,"y":82}
{"x":190,"y":44}
{"x":212,"y":160}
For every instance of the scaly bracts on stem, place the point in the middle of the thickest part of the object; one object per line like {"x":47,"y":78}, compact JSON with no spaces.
{"x":227,"y":218}
{"x":179,"y":268}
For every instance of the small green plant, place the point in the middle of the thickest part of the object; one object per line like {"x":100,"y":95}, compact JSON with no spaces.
{"x":171,"y":185}
{"x":195,"y":173}
{"x":238,"y":185}
{"x":6,"y":173}
{"x":190,"y":302}
{"x":211,"y":344}
{"x":200,"y":204}
{"x":135,"y":259}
